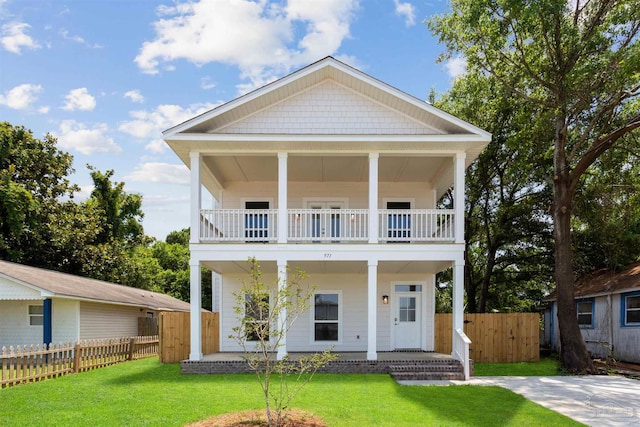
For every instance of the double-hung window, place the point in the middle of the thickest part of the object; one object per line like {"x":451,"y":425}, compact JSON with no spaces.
{"x":36,"y":315}
{"x":585,"y":313}
{"x":256,"y":311}
{"x":326,"y":316}
{"x":630,"y":309}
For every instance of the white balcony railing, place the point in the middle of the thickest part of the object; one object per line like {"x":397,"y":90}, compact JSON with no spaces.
{"x":416,"y":225}
{"x":326,"y":225}
{"x":239,"y":225}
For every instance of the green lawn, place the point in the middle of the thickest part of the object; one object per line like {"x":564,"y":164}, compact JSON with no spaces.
{"x":545,"y":367}
{"x":145,"y":392}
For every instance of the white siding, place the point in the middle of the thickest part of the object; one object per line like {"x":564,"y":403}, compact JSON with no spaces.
{"x":10,"y":290}
{"x":108,"y":320}
{"x":14,"y":324}
{"x":353,"y":288}
{"x":328,"y":108}
{"x":357,"y":193}
{"x":65,"y":316}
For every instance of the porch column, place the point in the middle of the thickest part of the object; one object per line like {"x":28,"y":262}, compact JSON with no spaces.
{"x":196,"y":311}
{"x":282,"y":319}
{"x":373,"y":197}
{"x":372,"y":310}
{"x":458,"y":194}
{"x":196,"y":197}
{"x":458,"y":301}
{"x":283,"y":231}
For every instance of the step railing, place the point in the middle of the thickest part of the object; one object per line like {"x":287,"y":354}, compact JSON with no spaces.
{"x":461,"y":344}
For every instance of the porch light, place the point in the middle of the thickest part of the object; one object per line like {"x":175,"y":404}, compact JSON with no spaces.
{"x":353,"y":217}
{"x":385,"y":299}
{"x":297,"y":217}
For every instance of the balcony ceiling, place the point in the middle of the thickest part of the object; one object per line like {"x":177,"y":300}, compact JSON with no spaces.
{"x":228,"y":169}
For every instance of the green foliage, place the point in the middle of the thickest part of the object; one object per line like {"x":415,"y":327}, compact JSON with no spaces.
{"x":265,"y":314}
{"x":507,"y":230}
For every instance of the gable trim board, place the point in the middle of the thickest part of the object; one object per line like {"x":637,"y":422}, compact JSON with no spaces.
{"x":309,"y":76}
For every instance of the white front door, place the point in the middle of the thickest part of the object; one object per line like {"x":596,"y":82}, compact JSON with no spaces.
{"x":407,"y":319}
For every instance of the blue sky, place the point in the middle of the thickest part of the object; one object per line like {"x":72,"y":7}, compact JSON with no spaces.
{"x":107,"y":76}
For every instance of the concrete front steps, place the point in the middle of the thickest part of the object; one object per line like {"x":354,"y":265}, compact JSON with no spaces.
{"x":428,"y":370}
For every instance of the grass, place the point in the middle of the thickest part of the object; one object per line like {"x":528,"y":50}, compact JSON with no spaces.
{"x":545,"y":367}
{"x":145,"y":393}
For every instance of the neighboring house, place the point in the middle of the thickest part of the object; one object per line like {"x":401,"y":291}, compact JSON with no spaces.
{"x":608,"y":310}
{"x":337,"y":173}
{"x":43,"y":306}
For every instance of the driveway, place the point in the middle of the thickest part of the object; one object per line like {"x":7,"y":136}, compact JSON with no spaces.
{"x":595,"y":400}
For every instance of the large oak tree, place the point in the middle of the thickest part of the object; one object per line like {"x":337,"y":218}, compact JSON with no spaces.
{"x":577,"y":62}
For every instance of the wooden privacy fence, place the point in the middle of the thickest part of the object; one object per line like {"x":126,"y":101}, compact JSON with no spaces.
{"x":37,"y":362}
{"x":175,"y":336}
{"x":495,"y":337}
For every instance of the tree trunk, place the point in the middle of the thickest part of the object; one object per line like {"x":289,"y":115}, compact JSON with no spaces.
{"x":486,"y":279}
{"x":573,"y":352}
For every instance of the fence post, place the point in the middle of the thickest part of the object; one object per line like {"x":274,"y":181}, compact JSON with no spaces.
{"x":132,"y":343}
{"x":77,"y":357}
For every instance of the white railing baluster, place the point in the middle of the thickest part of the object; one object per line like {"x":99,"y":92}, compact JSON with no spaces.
{"x":326,"y":225}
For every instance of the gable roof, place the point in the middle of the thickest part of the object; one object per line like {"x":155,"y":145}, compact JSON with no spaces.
{"x":51,"y":283}
{"x":604,"y":282}
{"x":195,"y":134}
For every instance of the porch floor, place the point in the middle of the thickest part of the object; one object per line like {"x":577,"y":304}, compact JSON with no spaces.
{"x":347,"y":362}
{"x":383,"y":356}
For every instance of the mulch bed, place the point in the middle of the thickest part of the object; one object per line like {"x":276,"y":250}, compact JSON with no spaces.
{"x":294,"y":418}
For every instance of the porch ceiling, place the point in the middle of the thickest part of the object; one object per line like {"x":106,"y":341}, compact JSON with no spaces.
{"x":334,"y":267}
{"x":325,"y":168}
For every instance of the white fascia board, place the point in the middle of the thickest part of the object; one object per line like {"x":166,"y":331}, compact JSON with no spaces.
{"x":416,"y":102}
{"x":233,"y":137}
{"x":169,"y":133}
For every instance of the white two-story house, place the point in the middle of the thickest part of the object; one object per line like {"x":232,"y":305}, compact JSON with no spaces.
{"x":337,"y":173}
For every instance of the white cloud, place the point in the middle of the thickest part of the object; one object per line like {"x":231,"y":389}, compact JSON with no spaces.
{"x":157,"y":146}
{"x":134,"y":96}
{"x":14,"y":37}
{"x":456,"y":66}
{"x":262,"y":53}
{"x":76,"y":136}
{"x":79,"y":99}
{"x":150,"y":124}
{"x":206,"y":83}
{"x":44,"y":109}
{"x":77,"y":39}
{"x":407,"y":10}
{"x":165,"y":173}
{"x":21,"y":97}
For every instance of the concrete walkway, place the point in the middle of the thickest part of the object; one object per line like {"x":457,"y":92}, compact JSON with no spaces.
{"x":595,"y":400}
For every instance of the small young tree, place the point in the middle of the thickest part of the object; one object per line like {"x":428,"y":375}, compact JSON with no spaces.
{"x":266,"y":313}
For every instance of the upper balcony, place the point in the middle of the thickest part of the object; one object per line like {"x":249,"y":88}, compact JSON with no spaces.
{"x":334,"y":226}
